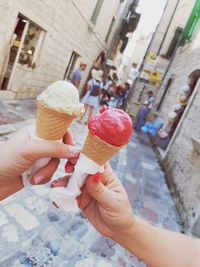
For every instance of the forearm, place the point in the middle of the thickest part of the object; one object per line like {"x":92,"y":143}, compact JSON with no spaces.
{"x":76,"y":83}
{"x":87,"y":88}
{"x":160,"y":248}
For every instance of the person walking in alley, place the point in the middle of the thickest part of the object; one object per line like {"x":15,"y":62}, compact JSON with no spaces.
{"x":122,"y":93}
{"x":103,"y":200}
{"x":144,"y":111}
{"x":76,"y":78}
{"x":93,"y":90}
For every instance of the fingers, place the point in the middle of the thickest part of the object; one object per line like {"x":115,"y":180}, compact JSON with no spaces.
{"x":60,"y":182}
{"x":108,"y":176}
{"x":68,"y":138}
{"x":69,"y":166}
{"x":73,"y":160}
{"x":41,"y":149}
{"x":44,"y":175}
{"x":63,"y":181}
{"x":99,"y":191}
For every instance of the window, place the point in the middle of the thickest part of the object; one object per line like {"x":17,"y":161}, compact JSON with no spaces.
{"x":96,"y":11}
{"x":71,"y":65}
{"x":174,"y":42}
{"x":110,"y":29}
{"x":31,"y":45}
{"x":191,"y":23}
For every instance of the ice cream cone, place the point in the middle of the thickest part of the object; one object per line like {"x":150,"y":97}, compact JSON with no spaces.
{"x":51,"y":124}
{"x":98,"y":150}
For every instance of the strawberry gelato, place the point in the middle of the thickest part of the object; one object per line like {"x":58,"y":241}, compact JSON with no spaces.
{"x":114,"y":126}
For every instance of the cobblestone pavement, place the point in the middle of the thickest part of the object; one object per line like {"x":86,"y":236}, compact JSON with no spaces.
{"x":34,"y":233}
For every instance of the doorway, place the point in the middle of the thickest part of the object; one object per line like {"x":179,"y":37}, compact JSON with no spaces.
{"x":13,"y":51}
{"x":24,"y":49}
{"x":192,"y":81}
{"x":71,"y":66}
{"x":182,"y":106}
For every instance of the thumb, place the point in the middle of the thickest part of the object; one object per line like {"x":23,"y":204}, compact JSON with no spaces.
{"x":39,"y":149}
{"x":98,"y":191}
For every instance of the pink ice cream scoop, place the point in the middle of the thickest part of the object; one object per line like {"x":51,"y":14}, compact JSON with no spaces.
{"x":114,"y":126}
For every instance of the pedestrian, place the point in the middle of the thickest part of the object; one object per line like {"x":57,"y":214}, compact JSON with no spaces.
{"x":103,"y":201}
{"x":93,"y":90}
{"x":144,"y":111}
{"x":133,"y":72}
{"x":76,"y":78}
{"x":107,"y":83}
{"x":122,"y":93}
{"x":104,"y":97}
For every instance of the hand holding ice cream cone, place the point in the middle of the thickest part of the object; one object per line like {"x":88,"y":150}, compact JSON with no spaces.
{"x":109,"y":131}
{"x":58,"y":105}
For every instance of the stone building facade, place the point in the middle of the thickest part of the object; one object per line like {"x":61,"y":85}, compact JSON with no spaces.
{"x":161,"y":48}
{"x":44,"y":41}
{"x":182,"y":157}
{"x":181,"y":69}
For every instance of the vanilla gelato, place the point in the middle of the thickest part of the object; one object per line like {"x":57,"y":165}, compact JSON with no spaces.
{"x":63,"y":97}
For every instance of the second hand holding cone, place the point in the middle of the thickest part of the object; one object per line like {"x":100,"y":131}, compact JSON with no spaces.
{"x":109,"y":131}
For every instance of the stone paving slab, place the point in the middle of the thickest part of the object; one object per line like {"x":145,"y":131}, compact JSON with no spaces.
{"x":34,"y":233}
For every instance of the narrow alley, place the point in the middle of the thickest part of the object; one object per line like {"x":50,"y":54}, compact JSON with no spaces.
{"x":34,"y":233}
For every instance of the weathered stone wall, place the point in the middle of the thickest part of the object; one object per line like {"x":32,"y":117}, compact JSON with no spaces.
{"x":68,"y":27}
{"x":163,"y":36}
{"x":182,"y":164}
{"x":179,"y":20}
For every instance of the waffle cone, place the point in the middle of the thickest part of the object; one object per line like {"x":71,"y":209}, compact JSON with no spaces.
{"x":50,"y":124}
{"x":98,"y":150}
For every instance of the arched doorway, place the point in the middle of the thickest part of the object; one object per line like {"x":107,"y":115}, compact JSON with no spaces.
{"x":192,"y":81}
{"x":165,"y":142}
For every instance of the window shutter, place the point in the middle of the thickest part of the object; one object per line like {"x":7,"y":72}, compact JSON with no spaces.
{"x":191,"y":24}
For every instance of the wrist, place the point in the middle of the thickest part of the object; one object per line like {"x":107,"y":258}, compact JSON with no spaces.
{"x":129,"y":230}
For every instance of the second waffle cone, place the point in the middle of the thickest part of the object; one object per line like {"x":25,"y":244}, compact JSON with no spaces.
{"x":98,"y":150}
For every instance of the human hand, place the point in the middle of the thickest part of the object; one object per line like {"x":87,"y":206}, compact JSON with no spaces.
{"x":105,"y":203}
{"x":19,"y":154}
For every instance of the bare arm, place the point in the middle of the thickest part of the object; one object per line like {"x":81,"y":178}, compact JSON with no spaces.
{"x":87,"y":87}
{"x":76,"y":83}
{"x":105,"y":204}
{"x":159,"y":247}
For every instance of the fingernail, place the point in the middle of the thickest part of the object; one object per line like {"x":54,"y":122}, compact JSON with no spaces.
{"x":38,"y":179}
{"x":54,"y":182}
{"x":54,"y":203}
{"x":96,"y":177}
{"x":73,"y":160}
{"x":68,"y":166}
{"x":74,"y":150}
